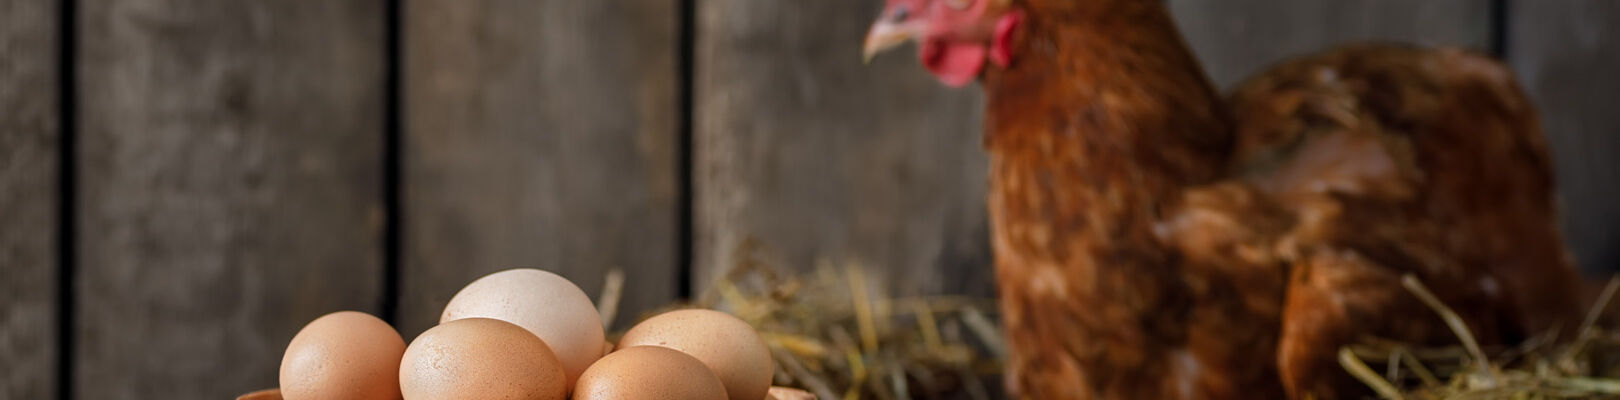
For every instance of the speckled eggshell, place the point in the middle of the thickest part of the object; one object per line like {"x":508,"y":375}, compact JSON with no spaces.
{"x":480,"y":358}
{"x":343,"y":355}
{"x":546,"y":304}
{"x":731,"y":348}
{"x":648,"y":373}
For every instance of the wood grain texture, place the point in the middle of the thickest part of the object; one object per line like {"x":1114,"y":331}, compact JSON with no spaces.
{"x":1566,"y":53}
{"x":28,"y":195}
{"x":1237,"y":38}
{"x":230,"y":187}
{"x":811,"y":155}
{"x":540,"y":134}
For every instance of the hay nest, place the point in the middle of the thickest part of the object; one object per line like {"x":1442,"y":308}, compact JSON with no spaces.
{"x":836,"y":335}
{"x":1540,"y":368}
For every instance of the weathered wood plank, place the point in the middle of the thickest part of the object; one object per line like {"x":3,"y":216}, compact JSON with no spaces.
{"x":230,"y":175}
{"x":814,"y":156}
{"x":1567,"y":53}
{"x":540,"y":134}
{"x":1237,"y":38}
{"x":28,"y":199}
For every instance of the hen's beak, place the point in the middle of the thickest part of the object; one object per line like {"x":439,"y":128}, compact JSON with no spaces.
{"x":885,"y":35}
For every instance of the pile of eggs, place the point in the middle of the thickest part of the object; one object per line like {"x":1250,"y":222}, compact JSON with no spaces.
{"x":527,"y":334}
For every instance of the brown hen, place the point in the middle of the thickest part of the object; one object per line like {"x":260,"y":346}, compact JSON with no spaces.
{"x":1154,"y":241}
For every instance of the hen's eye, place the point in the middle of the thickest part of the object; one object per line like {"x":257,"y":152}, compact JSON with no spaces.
{"x":958,"y":4}
{"x":901,"y":13}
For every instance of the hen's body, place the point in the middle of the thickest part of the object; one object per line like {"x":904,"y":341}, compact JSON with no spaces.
{"x":1154,"y":241}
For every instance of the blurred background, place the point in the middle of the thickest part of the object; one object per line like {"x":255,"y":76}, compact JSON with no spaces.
{"x":185,"y":183}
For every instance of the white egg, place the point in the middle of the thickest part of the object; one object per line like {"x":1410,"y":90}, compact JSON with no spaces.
{"x":548,"y":305}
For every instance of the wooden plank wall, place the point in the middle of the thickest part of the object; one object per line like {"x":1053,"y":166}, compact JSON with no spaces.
{"x":28,"y":203}
{"x":1567,"y":54}
{"x":808,"y":155}
{"x":231,"y":188}
{"x":232,"y":182}
{"x":540,"y":134}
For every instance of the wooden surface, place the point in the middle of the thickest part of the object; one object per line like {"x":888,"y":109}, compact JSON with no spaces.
{"x":1236,"y":38}
{"x":1567,"y":54}
{"x":230,"y":175}
{"x":811,"y":155}
{"x":28,"y":188}
{"x":540,"y":134}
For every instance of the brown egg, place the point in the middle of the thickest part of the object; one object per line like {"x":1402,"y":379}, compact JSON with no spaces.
{"x":480,"y":358}
{"x":726,"y":344}
{"x":648,"y":373}
{"x":547,"y":305}
{"x":343,"y":355}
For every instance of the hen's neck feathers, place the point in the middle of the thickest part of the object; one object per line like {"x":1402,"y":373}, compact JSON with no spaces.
{"x":1100,"y":123}
{"x":1117,"y":75}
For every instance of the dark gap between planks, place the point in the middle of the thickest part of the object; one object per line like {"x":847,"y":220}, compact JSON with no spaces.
{"x":393,"y":135}
{"x":687,"y":70}
{"x":1501,"y":25}
{"x":67,"y":113}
